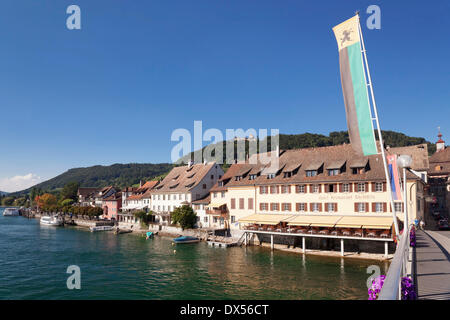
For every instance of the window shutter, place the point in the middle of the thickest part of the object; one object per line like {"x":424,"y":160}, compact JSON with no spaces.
{"x":336,"y":207}
{"x":311,"y":207}
{"x":340,"y":187}
{"x":310,"y":188}
{"x":373,"y":204}
{"x":326,"y":206}
{"x":335,"y":188}
{"x":366,"y":187}
{"x":320,"y":189}
{"x":374,"y":187}
{"x":260,"y":190}
{"x":384,"y":187}
{"x":306,"y":206}
{"x":320,"y":207}
{"x":297,"y":207}
{"x":350,"y":187}
{"x":367,"y":207}
{"x":233,"y":203}
{"x":289,"y":207}
{"x":356,"y":206}
{"x":384,"y":207}
{"x":289,"y":189}
{"x":326,"y":187}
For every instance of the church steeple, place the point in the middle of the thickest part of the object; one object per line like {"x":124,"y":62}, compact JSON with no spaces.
{"x":440,"y":144}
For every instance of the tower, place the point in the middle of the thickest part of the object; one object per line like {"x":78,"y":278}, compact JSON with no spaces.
{"x":440,"y":144}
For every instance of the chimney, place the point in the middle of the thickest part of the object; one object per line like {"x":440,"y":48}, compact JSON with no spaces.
{"x":140,"y":183}
{"x":189,"y":164}
{"x":440,"y":144}
{"x":278,"y":151}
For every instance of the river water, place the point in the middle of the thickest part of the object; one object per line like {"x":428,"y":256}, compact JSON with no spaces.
{"x":34,"y":261}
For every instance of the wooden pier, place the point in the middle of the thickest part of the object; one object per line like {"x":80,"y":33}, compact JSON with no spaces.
{"x":432,"y":265}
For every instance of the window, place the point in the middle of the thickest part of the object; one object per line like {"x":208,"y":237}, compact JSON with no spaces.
{"x":357,"y":170}
{"x":205,"y":219}
{"x":333,"y":172}
{"x":250,"y":203}
{"x":215,"y":219}
{"x":264,"y":206}
{"x":273,"y":189}
{"x":168,"y":197}
{"x":215,"y":194}
{"x":252,"y":176}
{"x":286,"y":207}
{"x":285,"y":189}
{"x":315,"y":207}
{"x":212,"y":177}
{"x":233,"y":219}
{"x":398,"y":207}
{"x":331,"y":207}
{"x":361,"y":187}
{"x":331,"y":188}
{"x":300,"y":188}
{"x":316,"y":188}
{"x":345,"y":187}
{"x":379,"y":207}
{"x":204,"y":186}
{"x":300,"y":206}
{"x":271,"y":176}
{"x":311,"y":173}
{"x":241,"y":203}
{"x":263,"y":190}
{"x":379,"y":187}
{"x":233,"y":203}
{"x":361,"y":206}
{"x":223,"y":194}
{"x":274,"y":206}
{"x":220,"y":183}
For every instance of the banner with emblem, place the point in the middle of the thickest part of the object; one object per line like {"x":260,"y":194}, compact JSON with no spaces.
{"x":394,"y":177}
{"x":354,"y":87}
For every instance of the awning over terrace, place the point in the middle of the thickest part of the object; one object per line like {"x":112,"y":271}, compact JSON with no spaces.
{"x":329,"y":221}
{"x":271,"y":219}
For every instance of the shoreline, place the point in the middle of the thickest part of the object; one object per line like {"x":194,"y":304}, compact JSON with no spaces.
{"x":280,"y":247}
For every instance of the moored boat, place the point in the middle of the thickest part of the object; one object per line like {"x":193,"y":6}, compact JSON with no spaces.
{"x":186,"y":239}
{"x":101,"y":228}
{"x":51,"y":221}
{"x":11,"y":212}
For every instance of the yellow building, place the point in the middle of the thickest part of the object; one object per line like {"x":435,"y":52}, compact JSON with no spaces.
{"x":317,"y":181}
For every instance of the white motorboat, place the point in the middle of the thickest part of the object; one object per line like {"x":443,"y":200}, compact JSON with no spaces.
{"x":11,"y":212}
{"x":51,"y":221}
{"x":101,"y":228}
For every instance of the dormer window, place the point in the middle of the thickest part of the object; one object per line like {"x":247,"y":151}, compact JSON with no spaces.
{"x":175,"y":178}
{"x":311,"y":173}
{"x":357,"y":170}
{"x":271,"y":176}
{"x":190,"y":176}
{"x":252,"y":177}
{"x":237,"y":178}
{"x":288,"y":174}
{"x":334,"y":172}
{"x":220,"y":183}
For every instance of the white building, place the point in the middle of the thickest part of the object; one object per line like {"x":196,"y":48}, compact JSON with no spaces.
{"x":138,"y":198}
{"x":181,"y":186}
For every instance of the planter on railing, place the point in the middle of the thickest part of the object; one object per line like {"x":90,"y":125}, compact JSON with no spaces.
{"x":408,"y":288}
{"x":375,"y":289}
{"x":412,"y":237}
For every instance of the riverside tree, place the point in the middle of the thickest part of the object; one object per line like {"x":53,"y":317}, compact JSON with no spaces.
{"x":184,"y":216}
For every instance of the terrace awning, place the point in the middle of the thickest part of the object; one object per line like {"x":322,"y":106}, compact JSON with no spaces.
{"x":314,"y":221}
{"x":271,"y":219}
{"x":365,"y":222}
{"x":216,"y":204}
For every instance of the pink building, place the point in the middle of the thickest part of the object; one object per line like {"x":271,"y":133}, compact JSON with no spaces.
{"x":111,"y":206}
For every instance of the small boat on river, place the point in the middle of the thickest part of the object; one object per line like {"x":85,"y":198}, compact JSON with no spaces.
{"x":101,"y":228}
{"x":186,"y":239}
{"x":51,"y":221}
{"x":11,"y":212}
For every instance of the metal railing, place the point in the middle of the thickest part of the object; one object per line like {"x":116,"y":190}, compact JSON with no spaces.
{"x":392,"y":285}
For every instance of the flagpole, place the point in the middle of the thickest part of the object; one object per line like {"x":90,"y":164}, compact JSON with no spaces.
{"x":388,"y":184}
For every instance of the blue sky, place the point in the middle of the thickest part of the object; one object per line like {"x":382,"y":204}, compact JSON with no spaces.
{"x":114,"y":91}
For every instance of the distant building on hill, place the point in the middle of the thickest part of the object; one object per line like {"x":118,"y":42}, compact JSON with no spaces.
{"x":439,"y":178}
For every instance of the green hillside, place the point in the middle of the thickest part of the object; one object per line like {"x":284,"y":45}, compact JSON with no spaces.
{"x":119,"y":175}
{"x":308,"y":140}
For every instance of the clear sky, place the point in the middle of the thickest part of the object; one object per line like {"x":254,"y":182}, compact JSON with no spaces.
{"x":114,"y":91}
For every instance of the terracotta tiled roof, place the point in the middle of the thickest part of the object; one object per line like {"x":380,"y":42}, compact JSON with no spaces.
{"x":204,"y":200}
{"x":419,"y":154}
{"x":441,"y":160}
{"x":183,"y":178}
{"x":87,"y":191}
{"x":314,"y":158}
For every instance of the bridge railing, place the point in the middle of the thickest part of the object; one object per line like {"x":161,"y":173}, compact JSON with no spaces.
{"x":391,"y":289}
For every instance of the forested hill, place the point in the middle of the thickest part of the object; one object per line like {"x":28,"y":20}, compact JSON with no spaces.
{"x":308,"y":140}
{"x":119,"y":175}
